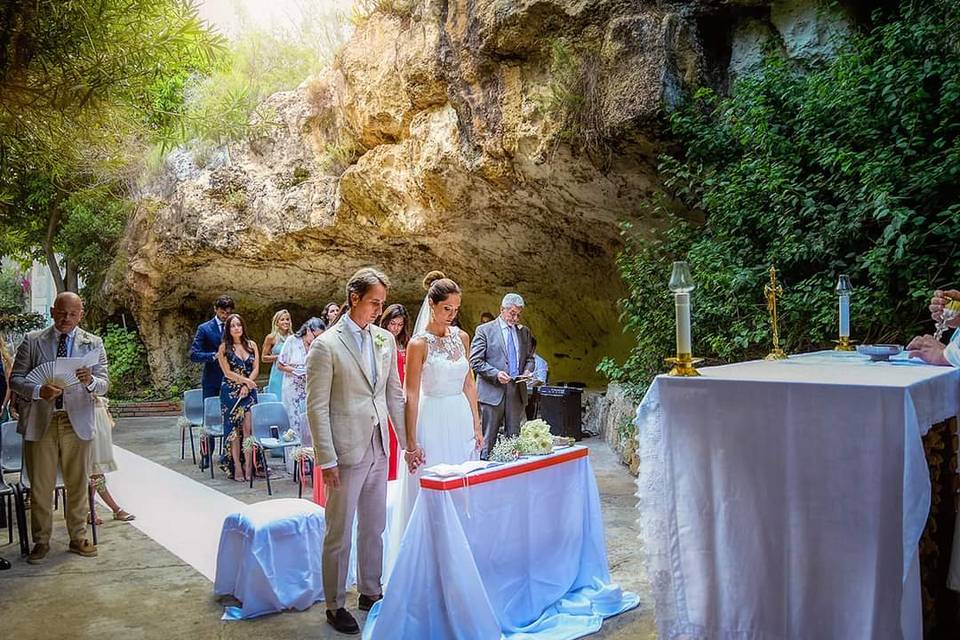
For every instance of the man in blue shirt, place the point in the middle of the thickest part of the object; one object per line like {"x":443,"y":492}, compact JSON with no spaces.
{"x":539,"y":379}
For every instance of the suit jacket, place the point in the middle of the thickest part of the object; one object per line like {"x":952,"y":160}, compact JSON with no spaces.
{"x":39,"y":347}
{"x":343,"y":405}
{"x":488,"y":357}
{"x":204,"y":349}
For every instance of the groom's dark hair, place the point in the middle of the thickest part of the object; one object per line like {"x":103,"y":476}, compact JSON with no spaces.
{"x":360,"y":283}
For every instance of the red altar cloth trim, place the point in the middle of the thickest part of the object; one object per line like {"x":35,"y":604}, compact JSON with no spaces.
{"x":449,"y":484}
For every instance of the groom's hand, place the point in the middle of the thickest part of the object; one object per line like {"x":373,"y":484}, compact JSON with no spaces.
{"x":503,"y":377}
{"x":331,"y":477}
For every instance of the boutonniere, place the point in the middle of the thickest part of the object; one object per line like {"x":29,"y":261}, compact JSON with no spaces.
{"x":379,"y":341}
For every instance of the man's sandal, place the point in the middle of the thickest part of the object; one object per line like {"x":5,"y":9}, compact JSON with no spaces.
{"x":123,"y":516}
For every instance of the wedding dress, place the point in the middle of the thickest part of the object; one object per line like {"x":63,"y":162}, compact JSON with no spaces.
{"x":444,"y":425}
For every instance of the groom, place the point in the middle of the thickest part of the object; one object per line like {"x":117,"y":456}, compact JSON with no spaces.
{"x":352,"y":387}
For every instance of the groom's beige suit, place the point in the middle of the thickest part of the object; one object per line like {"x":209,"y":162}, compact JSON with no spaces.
{"x":352,"y":387}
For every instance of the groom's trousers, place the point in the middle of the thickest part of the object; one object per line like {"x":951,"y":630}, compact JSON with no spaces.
{"x":362,"y":493}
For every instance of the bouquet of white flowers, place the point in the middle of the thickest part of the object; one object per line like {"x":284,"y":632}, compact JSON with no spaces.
{"x":535,"y":437}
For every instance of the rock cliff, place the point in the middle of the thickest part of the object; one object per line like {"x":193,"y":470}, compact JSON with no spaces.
{"x":501,"y":141}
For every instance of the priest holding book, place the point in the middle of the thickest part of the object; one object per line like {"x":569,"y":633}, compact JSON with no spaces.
{"x":57,"y":422}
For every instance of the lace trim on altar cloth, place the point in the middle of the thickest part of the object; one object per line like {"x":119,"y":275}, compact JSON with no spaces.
{"x":660,"y":554}
{"x":448,"y":347}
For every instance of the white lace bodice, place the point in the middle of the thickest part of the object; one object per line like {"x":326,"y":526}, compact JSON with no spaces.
{"x":446,"y":365}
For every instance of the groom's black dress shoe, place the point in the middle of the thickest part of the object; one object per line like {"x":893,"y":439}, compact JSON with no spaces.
{"x":367,"y":601}
{"x":342,"y":621}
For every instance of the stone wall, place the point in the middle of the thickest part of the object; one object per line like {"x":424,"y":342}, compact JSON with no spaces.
{"x":453,"y":137}
{"x":609,"y":414}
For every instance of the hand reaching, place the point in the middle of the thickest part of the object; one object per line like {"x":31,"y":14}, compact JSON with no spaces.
{"x":414,"y":459}
{"x":503,"y":377}
{"x":928,"y":349}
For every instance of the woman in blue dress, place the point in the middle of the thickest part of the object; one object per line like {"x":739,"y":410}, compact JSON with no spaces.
{"x":272,"y":345}
{"x":240,"y":363}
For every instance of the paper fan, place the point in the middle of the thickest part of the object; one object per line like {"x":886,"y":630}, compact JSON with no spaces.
{"x":46,"y":374}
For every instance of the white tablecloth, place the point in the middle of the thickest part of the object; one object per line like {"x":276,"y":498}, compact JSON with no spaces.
{"x":519,"y":553}
{"x":786,"y":499}
{"x":270,"y":557}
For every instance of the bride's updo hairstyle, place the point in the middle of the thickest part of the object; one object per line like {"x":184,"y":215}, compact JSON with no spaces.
{"x":439,"y":287}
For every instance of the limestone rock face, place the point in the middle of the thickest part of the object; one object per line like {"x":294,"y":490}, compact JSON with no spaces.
{"x":502,"y":142}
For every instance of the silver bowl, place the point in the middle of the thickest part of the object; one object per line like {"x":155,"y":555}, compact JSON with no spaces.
{"x":879,"y":352}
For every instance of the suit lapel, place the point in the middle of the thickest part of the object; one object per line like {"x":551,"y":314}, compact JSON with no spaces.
{"x":48,"y":344}
{"x":348,"y":340}
{"x":500,"y":338}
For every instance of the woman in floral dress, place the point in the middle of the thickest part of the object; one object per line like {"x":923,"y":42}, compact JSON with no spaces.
{"x":239,"y":361}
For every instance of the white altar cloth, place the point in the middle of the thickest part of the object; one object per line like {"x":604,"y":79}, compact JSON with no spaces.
{"x":516,"y":551}
{"x":786,"y":499}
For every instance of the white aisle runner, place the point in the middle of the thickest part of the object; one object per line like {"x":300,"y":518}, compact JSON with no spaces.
{"x":182,"y":515}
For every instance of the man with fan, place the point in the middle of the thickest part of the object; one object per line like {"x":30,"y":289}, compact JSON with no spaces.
{"x":56,"y":421}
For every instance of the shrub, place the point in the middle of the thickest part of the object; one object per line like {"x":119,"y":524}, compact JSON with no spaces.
{"x":127,"y":357}
{"x":851,"y":167}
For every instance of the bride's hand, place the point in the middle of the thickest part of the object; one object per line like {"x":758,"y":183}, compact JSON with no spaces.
{"x":478,"y":436}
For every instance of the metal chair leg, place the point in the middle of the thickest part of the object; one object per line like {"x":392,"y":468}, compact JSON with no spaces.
{"x":253,"y":467}
{"x":266,"y":471}
{"x":193,"y":451}
{"x":183,"y":437}
{"x":91,"y":491}
{"x":210,"y":455}
{"x":22,"y":531}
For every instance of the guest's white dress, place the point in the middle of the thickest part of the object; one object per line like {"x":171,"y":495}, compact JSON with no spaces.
{"x":294,"y":395}
{"x":102,"y":452}
{"x":444,"y":425}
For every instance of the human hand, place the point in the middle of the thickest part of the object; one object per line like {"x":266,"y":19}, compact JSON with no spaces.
{"x":478,"y":437}
{"x":928,"y":349}
{"x":939,"y":301}
{"x":50,"y":391}
{"x":503,"y":377}
{"x":84,"y":376}
{"x":244,"y":391}
{"x":250,"y":384}
{"x":331,"y":477}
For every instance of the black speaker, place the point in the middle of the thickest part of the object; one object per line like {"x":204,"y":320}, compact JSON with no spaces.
{"x":560,"y":407}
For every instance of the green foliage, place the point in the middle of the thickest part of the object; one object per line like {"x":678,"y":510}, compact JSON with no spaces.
{"x":85,"y":87}
{"x":361,"y":10}
{"x":573,"y":100}
{"x":852,"y":168}
{"x":13,"y":290}
{"x":20,"y":323}
{"x":227,"y":104}
{"x":127,"y":357}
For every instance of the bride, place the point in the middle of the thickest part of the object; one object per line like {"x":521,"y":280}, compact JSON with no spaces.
{"x":442,"y":416}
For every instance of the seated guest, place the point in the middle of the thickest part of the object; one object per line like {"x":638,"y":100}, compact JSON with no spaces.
{"x":485,"y":317}
{"x":240,"y":364}
{"x":395,"y":320}
{"x":206,"y":342}
{"x":330,"y":314}
{"x":57,"y":423}
{"x":928,"y":348}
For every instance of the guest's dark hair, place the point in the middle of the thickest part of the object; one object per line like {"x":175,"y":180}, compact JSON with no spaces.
{"x":313,"y":324}
{"x":486,"y":316}
{"x":439,"y":287}
{"x":397,"y":311}
{"x":228,"y":339}
{"x":224,"y":302}
{"x":325,"y":314}
{"x":361,"y":282}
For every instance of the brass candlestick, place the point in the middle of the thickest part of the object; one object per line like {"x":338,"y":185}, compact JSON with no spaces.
{"x":771,"y":290}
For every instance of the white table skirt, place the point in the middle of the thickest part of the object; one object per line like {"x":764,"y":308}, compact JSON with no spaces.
{"x":786,"y":499}
{"x":521,"y":556}
{"x":270,"y":557}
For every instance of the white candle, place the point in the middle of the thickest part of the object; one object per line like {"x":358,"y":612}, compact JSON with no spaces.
{"x":683,"y":323}
{"x":844,"y":316}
